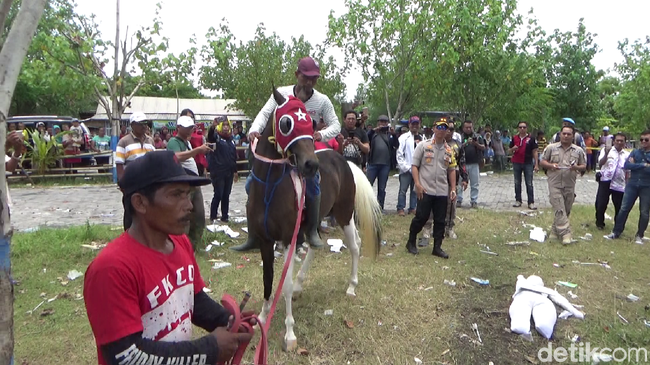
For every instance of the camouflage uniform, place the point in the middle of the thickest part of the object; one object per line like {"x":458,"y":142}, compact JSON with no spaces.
{"x":562,"y":182}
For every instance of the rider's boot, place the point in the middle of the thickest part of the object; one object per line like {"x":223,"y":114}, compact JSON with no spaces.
{"x":313,"y":221}
{"x":249,"y":245}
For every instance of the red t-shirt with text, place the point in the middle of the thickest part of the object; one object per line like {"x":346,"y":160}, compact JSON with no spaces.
{"x":130,"y":288}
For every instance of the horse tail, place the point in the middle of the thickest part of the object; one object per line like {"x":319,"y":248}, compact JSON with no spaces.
{"x":368,"y":211}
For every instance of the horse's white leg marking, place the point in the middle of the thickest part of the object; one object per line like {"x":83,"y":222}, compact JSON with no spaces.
{"x":266,"y":307}
{"x":290,"y":341}
{"x":353,"y":241}
{"x":300,"y":278}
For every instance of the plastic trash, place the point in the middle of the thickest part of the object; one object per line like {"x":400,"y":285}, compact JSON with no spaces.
{"x":336,"y":244}
{"x":632,"y":298}
{"x":328,"y":312}
{"x":74,"y":274}
{"x":567,"y":284}
{"x":220,"y":265}
{"x":480,"y":281}
{"x":537,"y":234}
{"x":449,"y":282}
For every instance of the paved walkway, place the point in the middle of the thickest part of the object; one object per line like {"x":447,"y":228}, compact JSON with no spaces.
{"x":102,"y":204}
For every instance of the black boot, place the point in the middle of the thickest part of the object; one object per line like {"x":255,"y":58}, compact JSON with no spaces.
{"x":313,"y":222}
{"x":437,"y":251}
{"x":249,"y":245}
{"x":411,"y":247}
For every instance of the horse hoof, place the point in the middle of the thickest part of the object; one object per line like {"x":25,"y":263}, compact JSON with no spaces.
{"x":289,"y":346}
{"x":350,"y":293}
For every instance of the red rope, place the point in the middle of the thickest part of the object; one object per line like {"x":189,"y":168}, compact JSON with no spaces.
{"x":241,"y":324}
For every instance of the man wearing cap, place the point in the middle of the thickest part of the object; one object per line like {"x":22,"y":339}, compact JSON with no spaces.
{"x":407,"y":143}
{"x":318,"y":105}
{"x":379,"y":157}
{"x":578,"y":140}
{"x":434,"y":172}
{"x":131,"y":147}
{"x":144,"y":291}
{"x":185,"y":154}
{"x":605,"y":137}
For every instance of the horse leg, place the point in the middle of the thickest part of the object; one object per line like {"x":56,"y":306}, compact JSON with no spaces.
{"x":353,"y":241}
{"x":267,"y":264}
{"x":290,"y":342}
{"x":300,"y":278}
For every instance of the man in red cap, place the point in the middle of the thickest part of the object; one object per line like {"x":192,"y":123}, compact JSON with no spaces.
{"x":318,"y":106}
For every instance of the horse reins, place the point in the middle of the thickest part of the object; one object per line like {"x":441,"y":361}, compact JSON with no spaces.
{"x":241,"y":323}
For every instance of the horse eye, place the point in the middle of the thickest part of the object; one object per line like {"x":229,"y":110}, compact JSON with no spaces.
{"x":286,"y":125}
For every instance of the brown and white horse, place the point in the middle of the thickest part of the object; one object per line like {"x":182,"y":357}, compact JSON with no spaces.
{"x":272,"y":209}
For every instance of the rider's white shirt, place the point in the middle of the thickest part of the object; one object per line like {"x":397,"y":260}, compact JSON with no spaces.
{"x":319,"y":105}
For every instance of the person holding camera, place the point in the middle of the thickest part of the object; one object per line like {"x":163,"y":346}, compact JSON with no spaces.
{"x":180,"y":144}
{"x":222,"y":164}
{"x":355,"y":140}
{"x":611,"y":178}
{"x":379,"y":157}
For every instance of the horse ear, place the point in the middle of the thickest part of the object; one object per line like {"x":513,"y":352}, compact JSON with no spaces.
{"x":279,"y":99}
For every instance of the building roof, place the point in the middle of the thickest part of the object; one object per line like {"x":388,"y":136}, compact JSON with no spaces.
{"x":167,"y":108}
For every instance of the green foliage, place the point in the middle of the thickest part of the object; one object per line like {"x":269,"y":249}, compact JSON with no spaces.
{"x":43,"y":153}
{"x":572,"y":77}
{"x":46,"y":86}
{"x":633,"y":102}
{"x":247,"y":71}
{"x":389,"y":40}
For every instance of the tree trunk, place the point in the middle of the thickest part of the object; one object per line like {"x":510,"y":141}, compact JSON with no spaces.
{"x":12,"y":56}
{"x":115,"y":114}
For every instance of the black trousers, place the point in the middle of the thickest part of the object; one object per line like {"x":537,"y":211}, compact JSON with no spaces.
{"x":425,"y":206}
{"x":602,"y":200}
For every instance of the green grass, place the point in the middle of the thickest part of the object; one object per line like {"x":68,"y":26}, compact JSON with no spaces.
{"x":394,"y":317}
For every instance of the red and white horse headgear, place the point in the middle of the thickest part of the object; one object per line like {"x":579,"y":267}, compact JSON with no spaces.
{"x":291,"y":123}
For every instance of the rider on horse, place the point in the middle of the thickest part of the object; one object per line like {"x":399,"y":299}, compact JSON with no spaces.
{"x":318,"y":105}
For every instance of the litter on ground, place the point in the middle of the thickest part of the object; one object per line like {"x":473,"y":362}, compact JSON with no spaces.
{"x":225,"y":229}
{"x":221,"y":265}
{"x":74,"y":274}
{"x":336,"y":244}
{"x":537,"y":234}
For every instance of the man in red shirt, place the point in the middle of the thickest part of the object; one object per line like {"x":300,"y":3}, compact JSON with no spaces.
{"x":144,"y":292}
{"x":524,"y":159}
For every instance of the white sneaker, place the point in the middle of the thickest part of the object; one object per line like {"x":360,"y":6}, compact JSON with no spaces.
{"x":638,"y":240}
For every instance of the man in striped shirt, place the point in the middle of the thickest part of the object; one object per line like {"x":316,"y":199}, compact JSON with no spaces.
{"x":131,"y":147}
{"x":318,"y":105}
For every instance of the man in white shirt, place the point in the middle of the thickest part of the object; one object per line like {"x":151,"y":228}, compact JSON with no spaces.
{"x":611,"y":181}
{"x":318,"y":105}
{"x":407,"y":143}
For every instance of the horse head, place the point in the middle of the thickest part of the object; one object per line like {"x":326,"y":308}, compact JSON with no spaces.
{"x":293,"y":131}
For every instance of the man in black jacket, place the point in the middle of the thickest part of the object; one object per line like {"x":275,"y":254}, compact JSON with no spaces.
{"x":222,"y":164}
